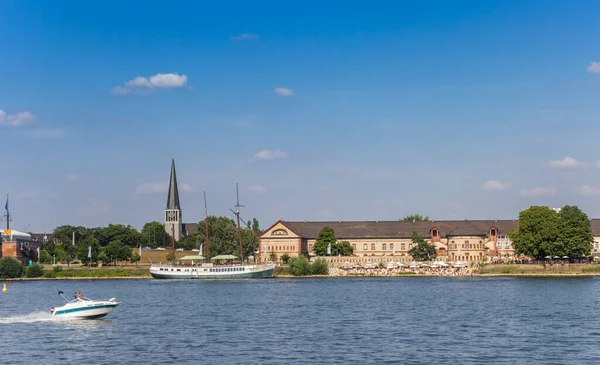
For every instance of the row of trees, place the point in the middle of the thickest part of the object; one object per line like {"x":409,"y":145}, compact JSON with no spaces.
{"x":544,"y":232}
{"x":116,"y":241}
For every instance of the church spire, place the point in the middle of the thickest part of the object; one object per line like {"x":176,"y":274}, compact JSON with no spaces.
{"x":173,"y":197}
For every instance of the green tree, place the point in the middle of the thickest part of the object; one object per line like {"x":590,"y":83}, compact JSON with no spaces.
{"x":421,"y":250}
{"x":154,"y":235}
{"x":35,"y":271}
{"x":135,"y":257}
{"x":325,"y":237}
{"x":319,"y":267}
{"x":415,"y":218}
{"x":170,"y":256}
{"x":255,"y":227}
{"x":118,"y":251}
{"x":64,"y":234}
{"x":285,"y":258}
{"x":83,"y":249}
{"x":299,"y":266}
{"x":10,"y":268}
{"x":102,"y":257}
{"x":575,"y":232}
{"x":538,"y":233}
{"x":60,"y":253}
{"x":128,"y":235}
{"x":223,"y":237}
{"x":45,"y":257}
{"x":189,"y":242}
{"x":273,"y":256}
{"x":343,"y":248}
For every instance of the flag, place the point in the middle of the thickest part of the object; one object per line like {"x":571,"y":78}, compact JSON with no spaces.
{"x":89,"y":252}
{"x":329,"y":248}
{"x":140,"y":251}
{"x":6,"y":205}
{"x":201,"y":247}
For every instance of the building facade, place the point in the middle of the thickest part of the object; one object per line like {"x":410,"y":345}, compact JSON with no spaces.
{"x":467,"y":240}
{"x":464,"y":240}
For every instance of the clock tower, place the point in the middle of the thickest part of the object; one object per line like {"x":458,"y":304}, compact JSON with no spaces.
{"x":173,"y":212}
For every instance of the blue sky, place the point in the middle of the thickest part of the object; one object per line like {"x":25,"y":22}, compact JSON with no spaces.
{"x":320,"y":110}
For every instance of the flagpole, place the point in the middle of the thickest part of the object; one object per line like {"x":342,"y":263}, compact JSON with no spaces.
{"x":7,"y":213}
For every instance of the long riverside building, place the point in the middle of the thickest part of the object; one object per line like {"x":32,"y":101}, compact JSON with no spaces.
{"x":455,"y":240}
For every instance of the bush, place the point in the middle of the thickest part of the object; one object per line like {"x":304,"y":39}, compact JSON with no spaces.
{"x":57,"y":268}
{"x":35,"y":271}
{"x":285,"y":258}
{"x":10,"y":268}
{"x":299,"y":266}
{"x":49,"y":274}
{"x":319,"y":267}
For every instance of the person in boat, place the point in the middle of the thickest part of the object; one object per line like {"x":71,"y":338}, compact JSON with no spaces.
{"x":79,"y":295}
{"x":75,"y":295}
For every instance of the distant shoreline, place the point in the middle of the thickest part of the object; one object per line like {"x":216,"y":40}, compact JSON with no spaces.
{"x":545,"y":275}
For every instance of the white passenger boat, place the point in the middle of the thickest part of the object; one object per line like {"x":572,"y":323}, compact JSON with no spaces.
{"x":84,"y":308}
{"x":210,"y":271}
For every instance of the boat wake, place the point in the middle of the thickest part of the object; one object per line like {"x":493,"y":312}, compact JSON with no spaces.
{"x":32,"y":318}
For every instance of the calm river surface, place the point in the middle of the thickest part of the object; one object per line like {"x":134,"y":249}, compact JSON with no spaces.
{"x":302,"y":321}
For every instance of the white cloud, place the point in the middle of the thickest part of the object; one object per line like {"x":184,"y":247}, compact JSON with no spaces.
{"x":594,"y":68}
{"x":73,"y":177}
{"x":159,"y":187}
{"x":284,"y":91}
{"x":270,"y":155}
{"x":539,"y":191}
{"x":495,"y":185}
{"x":170,"y":80}
{"x":540,"y":140}
{"x":257,"y":189}
{"x":587,"y":190}
{"x":568,"y":162}
{"x":244,"y":36}
{"x":16,"y":120}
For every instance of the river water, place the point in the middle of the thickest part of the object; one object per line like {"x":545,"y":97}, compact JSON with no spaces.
{"x":301,"y":321}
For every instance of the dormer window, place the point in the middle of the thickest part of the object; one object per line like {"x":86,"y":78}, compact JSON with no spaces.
{"x":434,"y":232}
{"x":493,"y":232}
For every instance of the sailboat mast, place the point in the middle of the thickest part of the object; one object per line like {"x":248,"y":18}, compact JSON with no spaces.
{"x":237,"y":213}
{"x":206,"y":226}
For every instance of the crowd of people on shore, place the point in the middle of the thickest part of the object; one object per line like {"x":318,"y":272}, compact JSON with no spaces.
{"x":426,"y":271}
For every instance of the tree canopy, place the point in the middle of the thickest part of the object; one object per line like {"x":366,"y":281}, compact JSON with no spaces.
{"x":326,"y":237}
{"x":416,"y":218}
{"x":543,"y":232}
{"x":223,"y":237}
{"x":422,"y":251}
{"x":154,"y":235}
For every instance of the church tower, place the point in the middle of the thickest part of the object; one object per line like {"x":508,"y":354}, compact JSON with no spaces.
{"x":173,"y":212}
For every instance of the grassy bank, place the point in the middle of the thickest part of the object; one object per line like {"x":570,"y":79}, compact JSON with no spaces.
{"x":97,"y":273}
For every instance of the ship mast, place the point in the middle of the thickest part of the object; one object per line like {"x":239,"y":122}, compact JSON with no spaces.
{"x":237,"y":214}
{"x":206,"y":226}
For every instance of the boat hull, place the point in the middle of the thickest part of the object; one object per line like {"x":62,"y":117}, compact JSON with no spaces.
{"x":94,"y":312}
{"x":199,"y":273}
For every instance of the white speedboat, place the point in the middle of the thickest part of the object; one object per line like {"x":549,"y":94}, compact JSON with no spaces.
{"x":84,"y":308}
